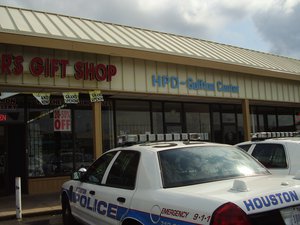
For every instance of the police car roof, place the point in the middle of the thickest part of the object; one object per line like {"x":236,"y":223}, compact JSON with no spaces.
{"x":165,"y":145}
{"x":269,"y":140}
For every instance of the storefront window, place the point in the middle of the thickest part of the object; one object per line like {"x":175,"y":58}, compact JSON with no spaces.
{"x":132,"y":117}
{"x":216,"y":119}
{"x":230,"y":134}
{"x":297,"y":119}
{"x":260,"y":120}
{"x":274,"y":119}
{"x":240,"y":120}
{"x":107,"y":125}
{"x":227,"y":123}
{"x":172,"y":112}
{"x":42,"y":141}
{"x":55,"y":149}
{"x":197,"y":118}
{"x":261,"y":123}
{"x":157,"y":118}
{"x":272,"y":124}
{"x":84,"y":154}
{"x":12,"y":141}
{"x":285,"y":119}
{"x":254,"y":122}
{"x":11,"y":109}
{"x":267,"y":118}
{"x":172,"y":117}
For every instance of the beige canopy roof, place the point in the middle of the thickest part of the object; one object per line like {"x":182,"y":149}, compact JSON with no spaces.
{"x":42,"y":29}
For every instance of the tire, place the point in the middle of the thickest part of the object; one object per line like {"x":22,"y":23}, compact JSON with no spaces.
{"x":67,"y":216}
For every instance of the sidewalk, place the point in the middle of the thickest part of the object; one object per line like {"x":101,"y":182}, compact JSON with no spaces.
{"x":31,"y":205}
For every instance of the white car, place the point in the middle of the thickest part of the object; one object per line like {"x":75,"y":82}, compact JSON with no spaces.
{"x":180,"y":183}
{"x":280,"y":155}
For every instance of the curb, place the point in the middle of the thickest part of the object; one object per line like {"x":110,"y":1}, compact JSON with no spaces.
{"x":31,"y":213}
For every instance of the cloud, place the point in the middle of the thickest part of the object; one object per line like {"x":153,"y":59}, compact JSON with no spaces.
{"x":279,"y":25}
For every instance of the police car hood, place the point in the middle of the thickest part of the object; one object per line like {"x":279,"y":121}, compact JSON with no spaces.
{"x":252,"y":194}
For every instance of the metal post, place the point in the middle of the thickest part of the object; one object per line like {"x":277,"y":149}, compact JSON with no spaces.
{"x":18,"y":198}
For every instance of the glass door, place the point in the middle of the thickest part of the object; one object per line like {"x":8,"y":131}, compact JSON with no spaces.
{"x":3,"y":160}
{"x":229,"y":123}
{"x":172,"y":117}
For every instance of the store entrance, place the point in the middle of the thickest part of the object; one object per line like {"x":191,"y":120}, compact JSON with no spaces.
{"x":12,"y":155}
{"x":173,"y":117}
{"x":3,"y":162}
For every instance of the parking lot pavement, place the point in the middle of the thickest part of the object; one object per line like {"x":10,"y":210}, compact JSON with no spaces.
{"x":38,"y":220}
{"x":32,"y":205}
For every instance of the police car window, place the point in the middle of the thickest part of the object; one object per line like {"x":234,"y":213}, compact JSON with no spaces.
{"x":96,"y":171}
{"x":194,"y":165}
{"x":124,"y":170}
{"x":245,"y":147}
{"x":270,"y":155}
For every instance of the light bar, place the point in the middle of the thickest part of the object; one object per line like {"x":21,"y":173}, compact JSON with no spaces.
{"x":266,"y":135}
{"x":168,"y":137}
{"x":176,"y":137}
{"x":151,"y":137}
{"x":129,"y":139}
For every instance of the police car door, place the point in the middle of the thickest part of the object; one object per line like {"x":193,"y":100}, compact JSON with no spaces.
{"x":87,"y":204}
{"x":114,"y":197}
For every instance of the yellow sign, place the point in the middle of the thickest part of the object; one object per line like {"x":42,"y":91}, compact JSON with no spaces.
{"x":71,"y":97}
{"x":43,"y":98}
{"x":96,"y":96}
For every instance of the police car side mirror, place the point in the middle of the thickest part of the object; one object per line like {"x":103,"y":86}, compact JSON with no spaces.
{"x":78,"y":174}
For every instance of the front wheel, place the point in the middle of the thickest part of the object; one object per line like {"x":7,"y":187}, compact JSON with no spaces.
{"x":67,"y":216}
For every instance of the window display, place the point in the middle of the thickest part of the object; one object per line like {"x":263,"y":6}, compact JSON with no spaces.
{"x":54,"y":152}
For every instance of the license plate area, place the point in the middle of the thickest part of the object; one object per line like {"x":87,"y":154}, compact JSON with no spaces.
{"x":291,"y":215}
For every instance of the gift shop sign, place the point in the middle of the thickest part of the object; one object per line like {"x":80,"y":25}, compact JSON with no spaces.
{"x":62,"y":120}
{"x":52,"y":67}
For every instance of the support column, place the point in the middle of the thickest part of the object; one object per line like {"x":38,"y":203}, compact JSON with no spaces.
{"x":97,"y":134}
{"x":247,"y":119}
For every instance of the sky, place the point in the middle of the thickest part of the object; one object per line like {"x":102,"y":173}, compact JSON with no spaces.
{"x":263,"y":25}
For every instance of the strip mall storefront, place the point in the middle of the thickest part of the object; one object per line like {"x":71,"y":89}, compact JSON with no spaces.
{"x":43,"y":153}
{"x":63,"y":103}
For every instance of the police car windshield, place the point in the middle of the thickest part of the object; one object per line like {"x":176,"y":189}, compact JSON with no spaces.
{"x":194,"y":165}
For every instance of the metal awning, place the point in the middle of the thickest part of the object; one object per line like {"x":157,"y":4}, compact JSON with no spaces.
{"x":31,"y":23}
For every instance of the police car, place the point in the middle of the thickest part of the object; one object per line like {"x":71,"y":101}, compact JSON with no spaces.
{"x":180,"y":183}
{"x":278,"y":151}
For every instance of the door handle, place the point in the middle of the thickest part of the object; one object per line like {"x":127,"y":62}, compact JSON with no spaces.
{"x":92,"y":192}
{"x":121,"y":199}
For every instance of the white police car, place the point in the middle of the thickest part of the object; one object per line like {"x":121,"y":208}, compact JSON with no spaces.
{"x":278,"y":151}
{"x":180,"y":183}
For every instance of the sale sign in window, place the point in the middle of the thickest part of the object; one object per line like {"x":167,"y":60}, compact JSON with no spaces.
{"x":62,"y":120}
